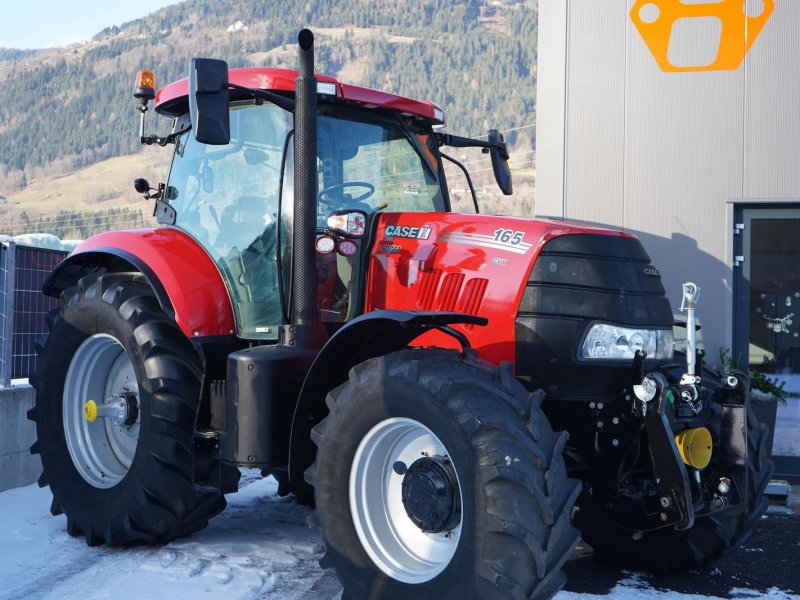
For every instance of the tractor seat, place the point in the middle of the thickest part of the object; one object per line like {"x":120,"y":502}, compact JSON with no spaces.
{"x":243,"y":220}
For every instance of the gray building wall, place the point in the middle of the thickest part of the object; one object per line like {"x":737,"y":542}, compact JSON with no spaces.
{"x":17,"y":465}
{"x":620,"y":142}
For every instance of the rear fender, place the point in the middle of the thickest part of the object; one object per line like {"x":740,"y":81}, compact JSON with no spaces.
{"x":183,"y":277}
{"x":373,"y":334}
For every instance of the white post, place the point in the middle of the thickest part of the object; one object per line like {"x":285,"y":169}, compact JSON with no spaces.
{"x":691,"y":293}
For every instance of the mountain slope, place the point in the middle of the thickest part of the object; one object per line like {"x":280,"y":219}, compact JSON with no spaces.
{"x":65,"y":109}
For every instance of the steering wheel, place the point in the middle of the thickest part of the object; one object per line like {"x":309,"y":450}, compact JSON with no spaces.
{"x":322,"y":196}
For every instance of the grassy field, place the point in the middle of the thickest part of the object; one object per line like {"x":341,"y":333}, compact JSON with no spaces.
{"x":109,"y":185}
{"x":88,"y":193}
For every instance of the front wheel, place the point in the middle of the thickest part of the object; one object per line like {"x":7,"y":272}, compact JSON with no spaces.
{"x":437,"y":475}
{"x":117,"y":388}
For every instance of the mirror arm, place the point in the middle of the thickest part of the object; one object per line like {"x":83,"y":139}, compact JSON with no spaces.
{"x":158,"y":195}
{"x":466,"y":174}
{"x":456,"y":141}
{"x":149,"y":140}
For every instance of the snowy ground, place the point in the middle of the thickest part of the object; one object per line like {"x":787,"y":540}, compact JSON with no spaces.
{"x":260,"y":547}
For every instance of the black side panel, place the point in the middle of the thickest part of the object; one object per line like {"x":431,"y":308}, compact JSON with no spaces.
{"x":262,"y":389}
{"x":609,"y":246}
{"x":619,"y":306}
{"x":579,"y":280}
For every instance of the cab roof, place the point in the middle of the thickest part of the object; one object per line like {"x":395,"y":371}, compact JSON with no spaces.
{"x":172,"y":100}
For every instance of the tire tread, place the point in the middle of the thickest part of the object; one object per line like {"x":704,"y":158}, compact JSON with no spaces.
{"x":166,"y":505}
{"x":498,"y":414}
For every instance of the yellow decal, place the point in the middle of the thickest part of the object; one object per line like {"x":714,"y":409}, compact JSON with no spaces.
{"x":741,"y":21}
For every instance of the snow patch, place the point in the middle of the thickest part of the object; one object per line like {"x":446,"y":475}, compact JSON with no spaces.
{"x":41,"y":240}
{"x":260,"y":547}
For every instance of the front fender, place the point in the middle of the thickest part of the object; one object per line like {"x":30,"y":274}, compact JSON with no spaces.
{"x":373,"y":334}
{"x":185,"y":279}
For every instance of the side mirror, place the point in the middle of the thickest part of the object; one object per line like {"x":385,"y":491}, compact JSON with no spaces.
{"x":208,"y":101}
{"x":502,"y":172}
{"x":141,"y":185}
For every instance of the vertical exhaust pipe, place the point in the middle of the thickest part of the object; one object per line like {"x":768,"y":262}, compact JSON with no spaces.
{"x":305,"y":185}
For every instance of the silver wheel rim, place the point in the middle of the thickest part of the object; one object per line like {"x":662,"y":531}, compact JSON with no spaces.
{"x":101,"y":451}
{"x":394,"y":543}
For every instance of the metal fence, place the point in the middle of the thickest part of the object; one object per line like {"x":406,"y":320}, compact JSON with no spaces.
{"x":23,"y":307}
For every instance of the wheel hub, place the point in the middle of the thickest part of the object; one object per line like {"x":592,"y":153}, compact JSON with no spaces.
{"x":430,"y":494}
{"x":128,"y":412}
{"x":121,"y":410}
{"x":408,"y":518}
{"x":101,"y":438}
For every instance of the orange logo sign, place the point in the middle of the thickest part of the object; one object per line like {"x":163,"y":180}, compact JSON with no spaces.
{"x":733,"y":24}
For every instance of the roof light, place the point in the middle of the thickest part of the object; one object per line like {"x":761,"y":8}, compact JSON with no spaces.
{"x":145,"y":88}
{"x":327,"y":88}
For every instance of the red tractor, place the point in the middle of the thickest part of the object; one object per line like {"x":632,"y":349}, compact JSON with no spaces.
{"x":461,"y":395}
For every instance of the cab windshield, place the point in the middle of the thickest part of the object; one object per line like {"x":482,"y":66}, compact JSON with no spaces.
{"x":226,"y":197}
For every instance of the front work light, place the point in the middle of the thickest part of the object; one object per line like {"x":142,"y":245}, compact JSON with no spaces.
{"x":351,"y":223}
{"x":612,"y":342}
{"x":325,"y":244}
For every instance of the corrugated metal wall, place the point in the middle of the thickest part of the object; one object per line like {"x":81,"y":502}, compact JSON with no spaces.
{"x":664,"y":153}
{"x":772,"y":108}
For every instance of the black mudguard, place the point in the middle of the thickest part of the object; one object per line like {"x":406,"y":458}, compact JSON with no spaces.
{"x":373,"y":334}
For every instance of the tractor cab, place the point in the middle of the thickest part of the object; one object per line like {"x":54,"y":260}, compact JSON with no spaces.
{"x":236,"y":199}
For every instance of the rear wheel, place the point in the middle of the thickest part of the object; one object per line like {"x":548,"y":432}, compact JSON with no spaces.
{"x":666,"y":550}
{"x":302,"y":492}
{"x":116,"y":394}
{"x":437,"y":475}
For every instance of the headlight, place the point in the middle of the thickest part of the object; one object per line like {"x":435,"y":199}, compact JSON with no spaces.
{"x":611,"y":342}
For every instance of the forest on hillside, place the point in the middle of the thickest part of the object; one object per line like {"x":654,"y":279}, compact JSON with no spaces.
{"x":61,"y":110}
{"x":76,"y":225}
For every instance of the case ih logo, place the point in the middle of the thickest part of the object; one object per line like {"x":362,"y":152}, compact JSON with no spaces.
{"x":418,"y":233}
{"x":731,"y":27}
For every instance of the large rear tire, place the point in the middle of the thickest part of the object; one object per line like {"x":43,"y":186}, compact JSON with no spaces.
{"x":667,"y":550}
{"x":438,"y":476}
{"x":126,"y":478}
{"x":302,"y":492}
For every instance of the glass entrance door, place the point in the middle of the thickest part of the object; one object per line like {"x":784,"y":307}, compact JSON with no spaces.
{"x":768,"y":310}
